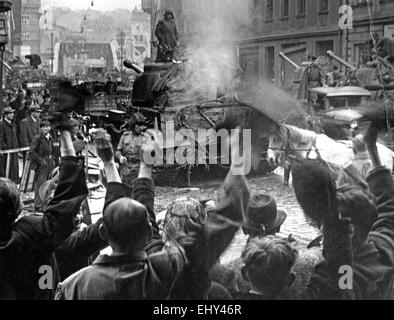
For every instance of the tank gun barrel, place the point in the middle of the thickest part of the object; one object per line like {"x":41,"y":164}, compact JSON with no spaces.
{"x":283,"y":56}
{"x":332,"y":55}
{"x":131,"y":65}
{"x":7,"y":66}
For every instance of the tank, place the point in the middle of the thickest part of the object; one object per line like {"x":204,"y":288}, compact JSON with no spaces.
{"x":375,"y":77}
{"x":159,"y":94}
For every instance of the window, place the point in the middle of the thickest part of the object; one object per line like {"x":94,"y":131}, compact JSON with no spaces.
{"x":269,"y":4}
{"x":323,"y":46}
{"x":301,"y":7}
{"x":25,"y":19}
{"x":285,"y":8}
{"x":270,"y":63}
{"x":323,"y":6}
{"x":25,"y":35}
{"x":255,"y":11}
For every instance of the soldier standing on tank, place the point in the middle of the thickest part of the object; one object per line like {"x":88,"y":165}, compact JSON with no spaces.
{"x":128,"y":151}
{"x":315,"y":78}
{"x":167,"y":34}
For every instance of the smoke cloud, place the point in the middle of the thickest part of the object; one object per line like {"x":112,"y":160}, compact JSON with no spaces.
{"x":212,"y":28}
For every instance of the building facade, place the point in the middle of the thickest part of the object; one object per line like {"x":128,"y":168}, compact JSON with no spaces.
{"x":140,"y":40}
{"x":16,"y":26}
{"x":296,"y":28}
{"x":30,"y":28}
{"x":357,"y":43}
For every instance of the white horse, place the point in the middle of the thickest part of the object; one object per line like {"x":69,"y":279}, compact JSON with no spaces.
{"x":288,"y":143}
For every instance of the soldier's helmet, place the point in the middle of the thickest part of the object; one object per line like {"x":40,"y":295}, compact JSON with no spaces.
{"x":169,"y":13}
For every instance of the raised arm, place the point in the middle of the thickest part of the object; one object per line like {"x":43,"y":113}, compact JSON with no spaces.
{"x":57,"y":223}
{"x":205,"y":244}
{"x":115,"y":189}
{"x":143,"y":187}
{"x":381,"y":184}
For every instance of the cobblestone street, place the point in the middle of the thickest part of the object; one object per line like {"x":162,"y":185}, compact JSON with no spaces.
{"x":295,"y":225}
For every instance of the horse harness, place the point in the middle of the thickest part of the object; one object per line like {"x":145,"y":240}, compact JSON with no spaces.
{"x":288,"y":149}
{"x":319,"y":161}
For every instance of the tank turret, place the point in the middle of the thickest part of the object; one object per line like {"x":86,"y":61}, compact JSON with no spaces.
{"x":375,"y":76}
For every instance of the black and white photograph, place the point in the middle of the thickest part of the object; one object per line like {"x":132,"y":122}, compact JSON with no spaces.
{"x":196,"y":154}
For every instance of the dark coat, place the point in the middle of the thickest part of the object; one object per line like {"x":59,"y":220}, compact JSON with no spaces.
{"x":41,"y":155}
{"x":27,"y":131}
{"x":9,"y":141}
{"x":74,"y":253}
{"x":21,"y":114}
{"x":41,"y":152}
{"x":167,"y":33}
{"x":30,"y":243}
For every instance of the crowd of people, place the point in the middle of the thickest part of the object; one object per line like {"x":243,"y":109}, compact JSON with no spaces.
{"x":22,"y":111}
{"x":27,"y":134}
{"x":179,"y":257}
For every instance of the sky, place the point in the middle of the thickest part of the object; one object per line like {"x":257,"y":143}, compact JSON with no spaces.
{"x":102,"y":5}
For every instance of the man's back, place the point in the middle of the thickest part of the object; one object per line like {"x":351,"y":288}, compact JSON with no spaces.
{"x":127,"y":277}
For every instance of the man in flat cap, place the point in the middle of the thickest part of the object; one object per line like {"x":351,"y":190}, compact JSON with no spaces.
{"x":30,"y":127}
{"x":9,"y":141}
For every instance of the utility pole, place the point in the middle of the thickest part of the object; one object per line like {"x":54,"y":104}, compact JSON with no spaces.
{"x":2,"y":47}
{"x":121,"y":53}
{"x":52,"y":53}
{"x":121,"y":39}
{"x":122,"y":35}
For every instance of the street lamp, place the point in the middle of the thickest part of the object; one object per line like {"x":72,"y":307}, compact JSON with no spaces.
{"x":5,"y":6}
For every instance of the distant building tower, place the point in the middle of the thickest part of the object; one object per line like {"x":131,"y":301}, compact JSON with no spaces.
{"x":140,"y":36}
{"x":28,"y":17}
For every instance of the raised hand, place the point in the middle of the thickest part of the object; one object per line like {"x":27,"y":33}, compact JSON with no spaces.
{"x":103,"y":146}
{"x":370,"y":139}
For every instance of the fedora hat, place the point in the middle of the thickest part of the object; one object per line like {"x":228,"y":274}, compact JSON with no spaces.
{"x":8,"y":110}
{"x":263,"y":212}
